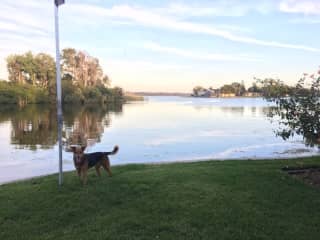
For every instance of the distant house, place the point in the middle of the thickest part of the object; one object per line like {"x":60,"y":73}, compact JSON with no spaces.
{"x":204,"y":93}
{"x":252,"y":94}
{"x":226,"y":95}
{"x":215,"y":92}
{"x":208,"y":93}
{"x":211,"y":93}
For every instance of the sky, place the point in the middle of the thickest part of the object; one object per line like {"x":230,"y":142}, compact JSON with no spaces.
{"x":172,"y":46}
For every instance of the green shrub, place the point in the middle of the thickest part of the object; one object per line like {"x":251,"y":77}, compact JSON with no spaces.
{"x":41,"y":96}
{"x":92,"y":95}
{"x":71,"y":93}
{"x":22,"y":94}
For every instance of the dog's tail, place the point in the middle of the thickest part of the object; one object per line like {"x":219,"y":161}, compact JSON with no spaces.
{"x":114,"y":151}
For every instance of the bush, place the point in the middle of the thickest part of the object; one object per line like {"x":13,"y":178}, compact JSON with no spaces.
{"x":71,"y":93}
{"x":22,"y":94}
{"x":299,"y":112}
{"x":92,"y":95}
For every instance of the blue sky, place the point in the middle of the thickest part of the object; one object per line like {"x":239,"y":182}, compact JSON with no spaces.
{"x":173,"y":45}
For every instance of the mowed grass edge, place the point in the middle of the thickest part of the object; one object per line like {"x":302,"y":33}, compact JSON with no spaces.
{"x":199,"y":200}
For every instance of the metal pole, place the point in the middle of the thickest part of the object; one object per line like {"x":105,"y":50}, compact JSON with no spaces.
{"x":58,"y":79}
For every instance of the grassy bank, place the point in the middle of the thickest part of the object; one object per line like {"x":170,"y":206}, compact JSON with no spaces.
{"x":205,"y":200}
{"x":23,"y":94}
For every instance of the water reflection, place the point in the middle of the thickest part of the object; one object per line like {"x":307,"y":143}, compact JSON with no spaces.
{"x":238,"y":111}
{"x":159,"y":130}
{"x":35,"y":126}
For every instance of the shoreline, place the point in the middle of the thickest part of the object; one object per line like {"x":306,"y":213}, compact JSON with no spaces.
{"x":190,"y":96}
{"x":173,"y":162}
{"x":230,"y":97}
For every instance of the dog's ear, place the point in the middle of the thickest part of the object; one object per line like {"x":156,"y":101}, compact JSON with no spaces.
{"x":83,"y":148}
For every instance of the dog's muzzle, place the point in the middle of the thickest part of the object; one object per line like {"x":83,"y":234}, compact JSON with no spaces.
{"x":77,"y":159}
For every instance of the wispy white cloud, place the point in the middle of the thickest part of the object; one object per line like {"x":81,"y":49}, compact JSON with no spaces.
{"x":197,"y":55}
{"x":305,"y":20}
{"x":232,"y":8}
{"x":137,"y":65}
{"x":300,"y":6}
{"x":234,"y":28}
{"x":21,"y":28}
{"x":28,"y":14}
{"x":36,"y":18}
{"x":149,"y":18}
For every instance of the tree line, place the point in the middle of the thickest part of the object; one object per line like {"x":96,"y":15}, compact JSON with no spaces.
{"x":32,"y":79}
{"x":267,"y":87}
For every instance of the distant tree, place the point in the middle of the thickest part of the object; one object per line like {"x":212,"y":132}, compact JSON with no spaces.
{"x":82,"y":68}
{"x":82,"y":79}
{"x":29,"y":68}
{"x":21,"y":68}
{"x":37,"y":70}
{"x":45,"y":70}
{"x":270,"y":87}
{"x":254,"y":88}
{"x":95,"y":73}
{"x":69,"y":62}
{"x":299,"y":112}
{"x":14,"y":66}
{"x":239,"y":88}
{"x":227,"y":88}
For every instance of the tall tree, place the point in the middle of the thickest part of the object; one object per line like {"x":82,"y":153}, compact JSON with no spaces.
{"x":21,"y":68}
{"x":83,"y":69}
{"x":39,"y":70}
{"x":95,"y":72}
{"x":69,"y":62}
{"x":45,"y":70}
{"x":14,"y":65}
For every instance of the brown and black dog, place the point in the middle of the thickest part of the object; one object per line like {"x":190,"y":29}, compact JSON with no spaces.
{"x":83,"y":161}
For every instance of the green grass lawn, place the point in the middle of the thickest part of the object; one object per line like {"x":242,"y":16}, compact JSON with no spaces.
{"x":204,"y":200}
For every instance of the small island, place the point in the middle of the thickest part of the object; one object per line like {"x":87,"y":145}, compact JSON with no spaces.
{"x":259,"y":88}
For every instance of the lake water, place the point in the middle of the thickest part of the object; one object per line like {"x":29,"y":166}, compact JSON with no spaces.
{"x":160,"y":129}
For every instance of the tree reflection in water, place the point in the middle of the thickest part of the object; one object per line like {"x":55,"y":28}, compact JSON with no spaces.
{"x":35,"y":126}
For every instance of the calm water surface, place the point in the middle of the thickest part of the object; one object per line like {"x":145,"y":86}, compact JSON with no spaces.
{"x":161,"y":129}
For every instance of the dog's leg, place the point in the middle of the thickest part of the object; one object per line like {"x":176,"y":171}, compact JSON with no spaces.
{"x":98,"y":170}
{"x":79,"y":172}
{"x":106,"y":166}
{"x":109,"y":171}
{"x":84,"y":175}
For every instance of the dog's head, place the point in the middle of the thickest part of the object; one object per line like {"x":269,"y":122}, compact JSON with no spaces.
{"x":78,"y":153}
